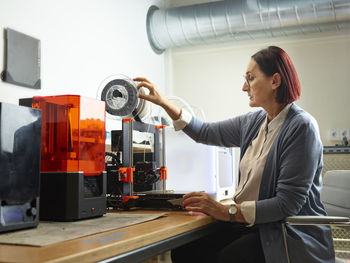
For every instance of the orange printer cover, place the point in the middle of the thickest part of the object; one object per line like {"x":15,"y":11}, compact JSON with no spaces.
{"x":72,"y":135}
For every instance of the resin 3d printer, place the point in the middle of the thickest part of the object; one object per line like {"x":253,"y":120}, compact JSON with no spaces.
{"x":73,"y":181}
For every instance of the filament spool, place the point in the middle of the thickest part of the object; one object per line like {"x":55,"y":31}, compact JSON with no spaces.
{"x":120,"y":95}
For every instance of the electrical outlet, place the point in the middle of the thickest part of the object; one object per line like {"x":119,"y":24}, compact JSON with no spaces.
{"x":344,"y":133}
{"x":334,"y":135}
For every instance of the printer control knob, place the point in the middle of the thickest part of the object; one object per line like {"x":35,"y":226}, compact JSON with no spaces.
{"x":31,"y":211}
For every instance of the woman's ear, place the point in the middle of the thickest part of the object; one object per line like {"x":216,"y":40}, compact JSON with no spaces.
{"x":276,"y":80}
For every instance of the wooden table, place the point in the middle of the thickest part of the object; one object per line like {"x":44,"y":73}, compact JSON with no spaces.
{"x":128,"y":244}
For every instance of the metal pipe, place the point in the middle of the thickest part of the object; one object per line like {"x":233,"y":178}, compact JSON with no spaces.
{"x":233,"y":20}
{"x":131,"y":155}
{"x":283,"y":225}
{"x":163,"y":157}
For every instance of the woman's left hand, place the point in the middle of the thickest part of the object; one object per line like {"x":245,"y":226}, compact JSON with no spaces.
{"x":204,"y":203}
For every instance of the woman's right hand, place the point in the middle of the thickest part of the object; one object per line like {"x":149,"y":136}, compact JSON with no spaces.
{"x":156,"y":97}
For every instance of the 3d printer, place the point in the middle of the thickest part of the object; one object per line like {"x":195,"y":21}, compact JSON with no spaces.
{"x":136,"y":171}
{"x":140,"y":179}
{"x":20,"y":129}
{"x":73,"y":181}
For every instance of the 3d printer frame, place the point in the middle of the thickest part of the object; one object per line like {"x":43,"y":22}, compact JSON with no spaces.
{"x":122,"y":192}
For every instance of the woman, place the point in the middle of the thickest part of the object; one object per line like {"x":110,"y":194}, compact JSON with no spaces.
{"x":280,"y":171}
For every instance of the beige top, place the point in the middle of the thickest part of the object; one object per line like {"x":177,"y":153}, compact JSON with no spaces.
{"x":253,"y":163}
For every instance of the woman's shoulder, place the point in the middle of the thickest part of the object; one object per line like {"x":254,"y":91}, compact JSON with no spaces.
{"x":299,"y":119}
{"x":298,"y":115}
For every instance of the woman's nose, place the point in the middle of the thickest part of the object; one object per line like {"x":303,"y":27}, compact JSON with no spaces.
{"x":245,"y":87}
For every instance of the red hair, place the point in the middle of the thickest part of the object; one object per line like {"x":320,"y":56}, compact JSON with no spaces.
{"x":273,"y":60}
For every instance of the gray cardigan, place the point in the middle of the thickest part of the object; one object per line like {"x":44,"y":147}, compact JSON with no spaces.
{"x":290,"y":185}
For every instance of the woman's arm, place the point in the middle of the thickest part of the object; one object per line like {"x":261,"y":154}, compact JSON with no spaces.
{"x":227,"y":133}
{"x":223,"y":133}
{"x":157,"y":98}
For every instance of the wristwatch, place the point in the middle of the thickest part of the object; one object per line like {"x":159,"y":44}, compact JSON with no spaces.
{"x":232,"y":212}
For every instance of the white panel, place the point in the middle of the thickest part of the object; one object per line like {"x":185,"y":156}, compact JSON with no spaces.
{"x":191,"y":166}
{"x":227,"y":166}
{"x":197,"y":167}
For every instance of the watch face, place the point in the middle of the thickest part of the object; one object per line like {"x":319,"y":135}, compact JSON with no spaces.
{"x":233,"y":209}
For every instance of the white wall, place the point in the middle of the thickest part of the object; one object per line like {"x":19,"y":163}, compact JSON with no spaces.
{"x":211,"y":77}
{"x":82,"y":43}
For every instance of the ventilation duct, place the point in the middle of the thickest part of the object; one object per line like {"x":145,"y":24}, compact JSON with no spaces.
{"x":234,"y":20}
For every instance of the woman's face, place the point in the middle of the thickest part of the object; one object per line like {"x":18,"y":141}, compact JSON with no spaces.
{"x":260,"y":88}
